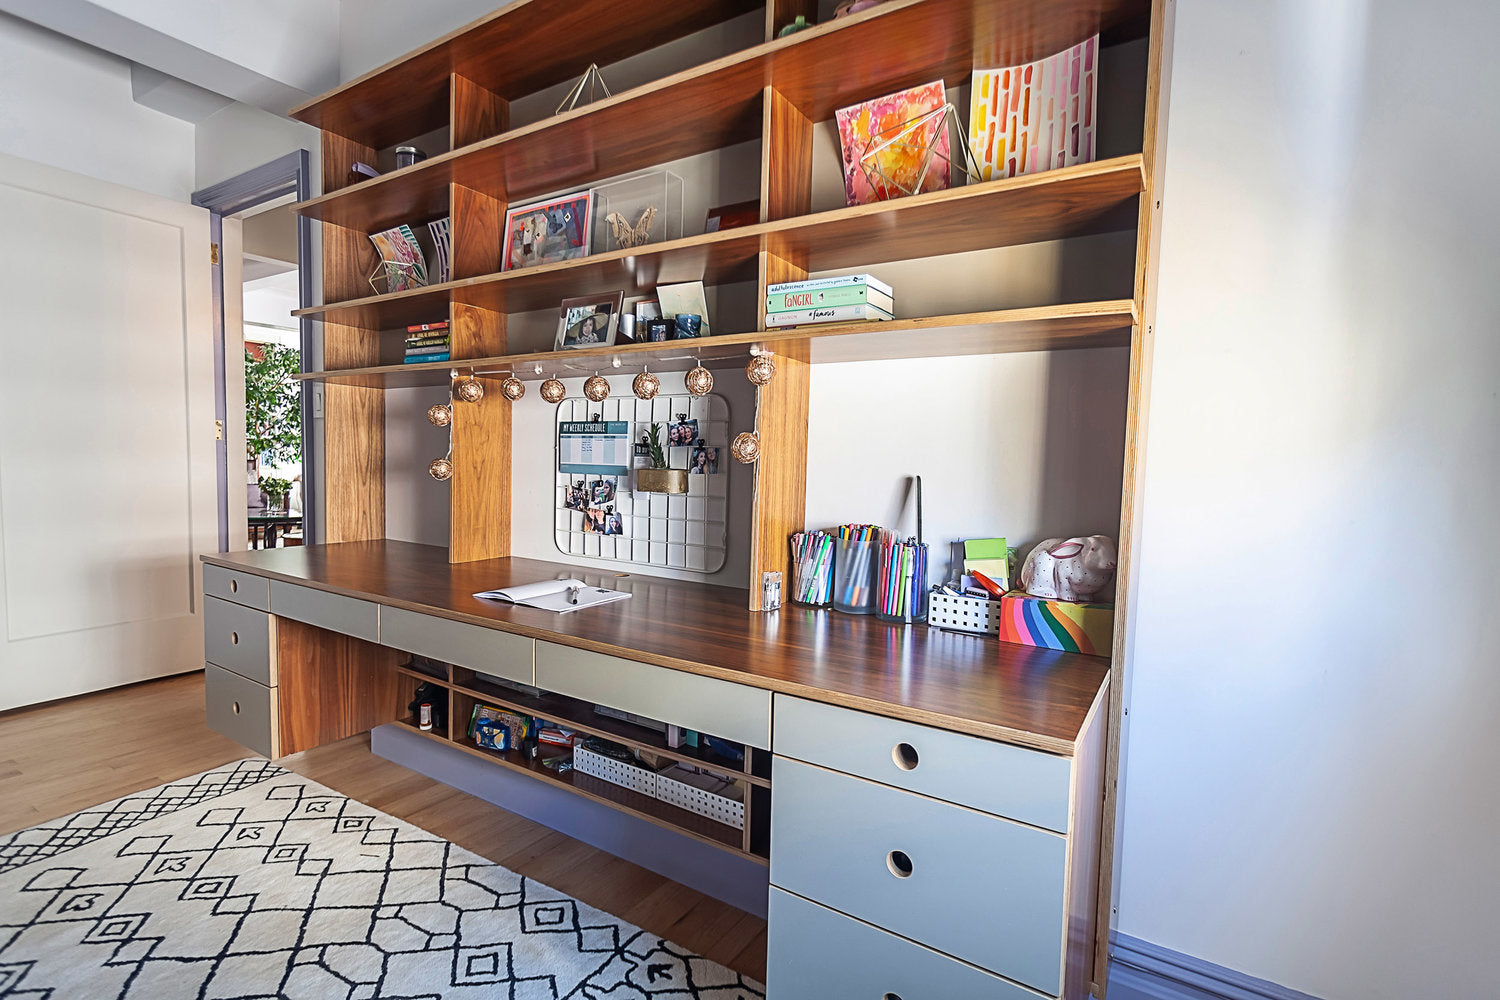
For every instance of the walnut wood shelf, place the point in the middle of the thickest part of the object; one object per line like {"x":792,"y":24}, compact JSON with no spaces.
{"x":1005,"y":331}
{"x":707,"y":107}
{"x":652,"y":810}
{"x":1072,"y":201}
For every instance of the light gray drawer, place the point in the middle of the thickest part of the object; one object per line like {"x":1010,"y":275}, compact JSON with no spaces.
{"x":1006,"y":780}
{"x":473,"y":646}
{"x":975,"y":886}
{"x":241,"y":588}
{"x":241,"y":709}
{"x":816,"y":954}
{"x":720,"y":708}
{"x":240,"y":639}
{"x":334,"y":612}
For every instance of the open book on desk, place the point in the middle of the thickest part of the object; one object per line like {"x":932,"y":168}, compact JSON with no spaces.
{"x":560,"y":596}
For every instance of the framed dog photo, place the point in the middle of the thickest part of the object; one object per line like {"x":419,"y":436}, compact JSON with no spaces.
{"x":588,"y":321}
{"x":546,"y":232}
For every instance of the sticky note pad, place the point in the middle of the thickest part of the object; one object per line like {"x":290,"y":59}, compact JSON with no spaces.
{"x":988,"y":556}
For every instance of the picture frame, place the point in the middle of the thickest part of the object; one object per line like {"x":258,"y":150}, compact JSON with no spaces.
{"x":548,"y":231}
{"x":588,"y":321}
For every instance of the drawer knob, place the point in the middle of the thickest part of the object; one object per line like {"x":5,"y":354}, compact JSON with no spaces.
{"x":905,"y":756}
{"x":236,"y":708}
{"x":234,"y":637}
{"x":899,"y":864}
{"x":234,"y":585}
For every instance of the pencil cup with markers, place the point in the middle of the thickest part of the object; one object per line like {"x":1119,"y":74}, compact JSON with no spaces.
{"x":854,"y":575}
{"x":901,"y":587}
{"x":812,"y":568}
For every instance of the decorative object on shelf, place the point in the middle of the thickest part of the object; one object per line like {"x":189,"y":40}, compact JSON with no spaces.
{"x":512,"y":388}
{"x":687,"y":297}
{"x":442,"y":248}
{"x":408,"y":156}
{"x":592,"y":83}
{"x":699,"y":380}
{"x":470,"y":389}
{"x":917,"y":141}
{"x":596,"y":388}
{"x":745,"y":448}
{"x":847,"y":7}
{"x":741,"y":213}
{"x":401,"y":259}
{"x":1067,"y":625}
{"x":906,"y":167}
{"x":359,"y":171}
{"x":440,"y":469}
{"x":440,"y":414}
{"x":761,"y":369}
{"x":553,"y":391}
{"x":1071,"y":569}
{"x":626,"y":334}
{"x":1060,"y":93}
{"x":645,"y":385}
{"x":800,"y":24}
{"x":546,"y":232}
{"x":588,"y":321}
{"x":635,"y":211}
{"x":686,"y":326}
{"x":658,"y":330}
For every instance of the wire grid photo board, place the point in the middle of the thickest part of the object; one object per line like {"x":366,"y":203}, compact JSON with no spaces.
{"x":678,"y":531}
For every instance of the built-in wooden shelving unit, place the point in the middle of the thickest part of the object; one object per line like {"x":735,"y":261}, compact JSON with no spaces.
{"x":459,"y":90}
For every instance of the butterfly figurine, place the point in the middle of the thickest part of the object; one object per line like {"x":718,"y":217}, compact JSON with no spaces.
{"x":627,"y":235}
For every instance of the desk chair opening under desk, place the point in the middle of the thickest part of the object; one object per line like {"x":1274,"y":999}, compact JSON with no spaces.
{"x":933,"y":798}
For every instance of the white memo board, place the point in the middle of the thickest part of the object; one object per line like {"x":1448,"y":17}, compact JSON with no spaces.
{"x":684,"y":531}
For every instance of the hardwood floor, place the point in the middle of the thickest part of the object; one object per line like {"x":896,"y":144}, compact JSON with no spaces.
{"x":60,"y":758}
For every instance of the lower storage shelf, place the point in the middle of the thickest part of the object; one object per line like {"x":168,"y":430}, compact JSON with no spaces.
{"x":653,"y":810}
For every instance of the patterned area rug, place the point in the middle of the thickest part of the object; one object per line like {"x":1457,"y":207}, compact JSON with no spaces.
{"x":251,"y":881}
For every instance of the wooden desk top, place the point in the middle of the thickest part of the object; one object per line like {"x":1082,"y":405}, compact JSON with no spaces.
{"x":971,"y":684}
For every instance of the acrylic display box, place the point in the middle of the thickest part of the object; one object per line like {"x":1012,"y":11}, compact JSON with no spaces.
{"x":633,"y":212}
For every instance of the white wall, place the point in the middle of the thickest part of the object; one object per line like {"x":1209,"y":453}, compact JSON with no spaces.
{"x":69,"y":106}
{"x":241,"y":137}
{"x":1310,"y":792}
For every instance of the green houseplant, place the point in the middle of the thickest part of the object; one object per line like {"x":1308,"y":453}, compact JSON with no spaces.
{"x":659,"y":478}
{"x":273,"y":418}
{"x":275,"y":491}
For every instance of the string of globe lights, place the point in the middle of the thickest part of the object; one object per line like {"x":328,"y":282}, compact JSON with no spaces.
{"x":699,"y":381}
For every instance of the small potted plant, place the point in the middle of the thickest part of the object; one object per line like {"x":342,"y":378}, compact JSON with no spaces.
{"x":274,"y":492}
{"x":659,"y":478}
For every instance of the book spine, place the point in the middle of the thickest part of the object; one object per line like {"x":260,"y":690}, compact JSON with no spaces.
{"x":819,"y":298}
{"x":832,"y":314}
{"x":424,"y":351}
{"x":425,"y":327}
{"x":412,"y":359}
{"x":848,"y":279}
{"x":425,"y":341}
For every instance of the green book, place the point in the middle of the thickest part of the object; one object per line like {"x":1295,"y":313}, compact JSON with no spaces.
{"x":824,"y":298}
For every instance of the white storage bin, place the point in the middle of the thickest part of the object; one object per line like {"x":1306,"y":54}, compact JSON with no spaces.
{"x":631,"y":776}
{"x":682,"y":787}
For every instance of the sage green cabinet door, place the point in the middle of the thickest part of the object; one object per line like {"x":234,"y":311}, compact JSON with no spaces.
{"x":984,"y":889}
{"x":819,"y":954}
{"x":994,"y":777}
{"x":239,"y":639}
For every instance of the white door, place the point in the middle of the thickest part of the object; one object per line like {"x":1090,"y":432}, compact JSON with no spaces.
{"x":107,"y":485}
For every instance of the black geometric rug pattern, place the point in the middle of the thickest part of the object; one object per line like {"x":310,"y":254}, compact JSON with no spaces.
{"x":250,"y":881}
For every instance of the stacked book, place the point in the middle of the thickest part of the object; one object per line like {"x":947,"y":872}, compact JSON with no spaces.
{"x":426,"y":342}
{"x":853,"y":298}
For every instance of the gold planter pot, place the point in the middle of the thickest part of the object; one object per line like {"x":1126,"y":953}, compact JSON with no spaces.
{"x":661,"y":480}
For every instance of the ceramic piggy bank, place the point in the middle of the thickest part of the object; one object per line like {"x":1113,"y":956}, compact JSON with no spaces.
{"x":1069,"y":569}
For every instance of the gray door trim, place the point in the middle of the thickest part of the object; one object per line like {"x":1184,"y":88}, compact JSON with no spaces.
{"x":289,"y":174}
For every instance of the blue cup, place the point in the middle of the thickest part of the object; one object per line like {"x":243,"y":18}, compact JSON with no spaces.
{"x":688,"y":325}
